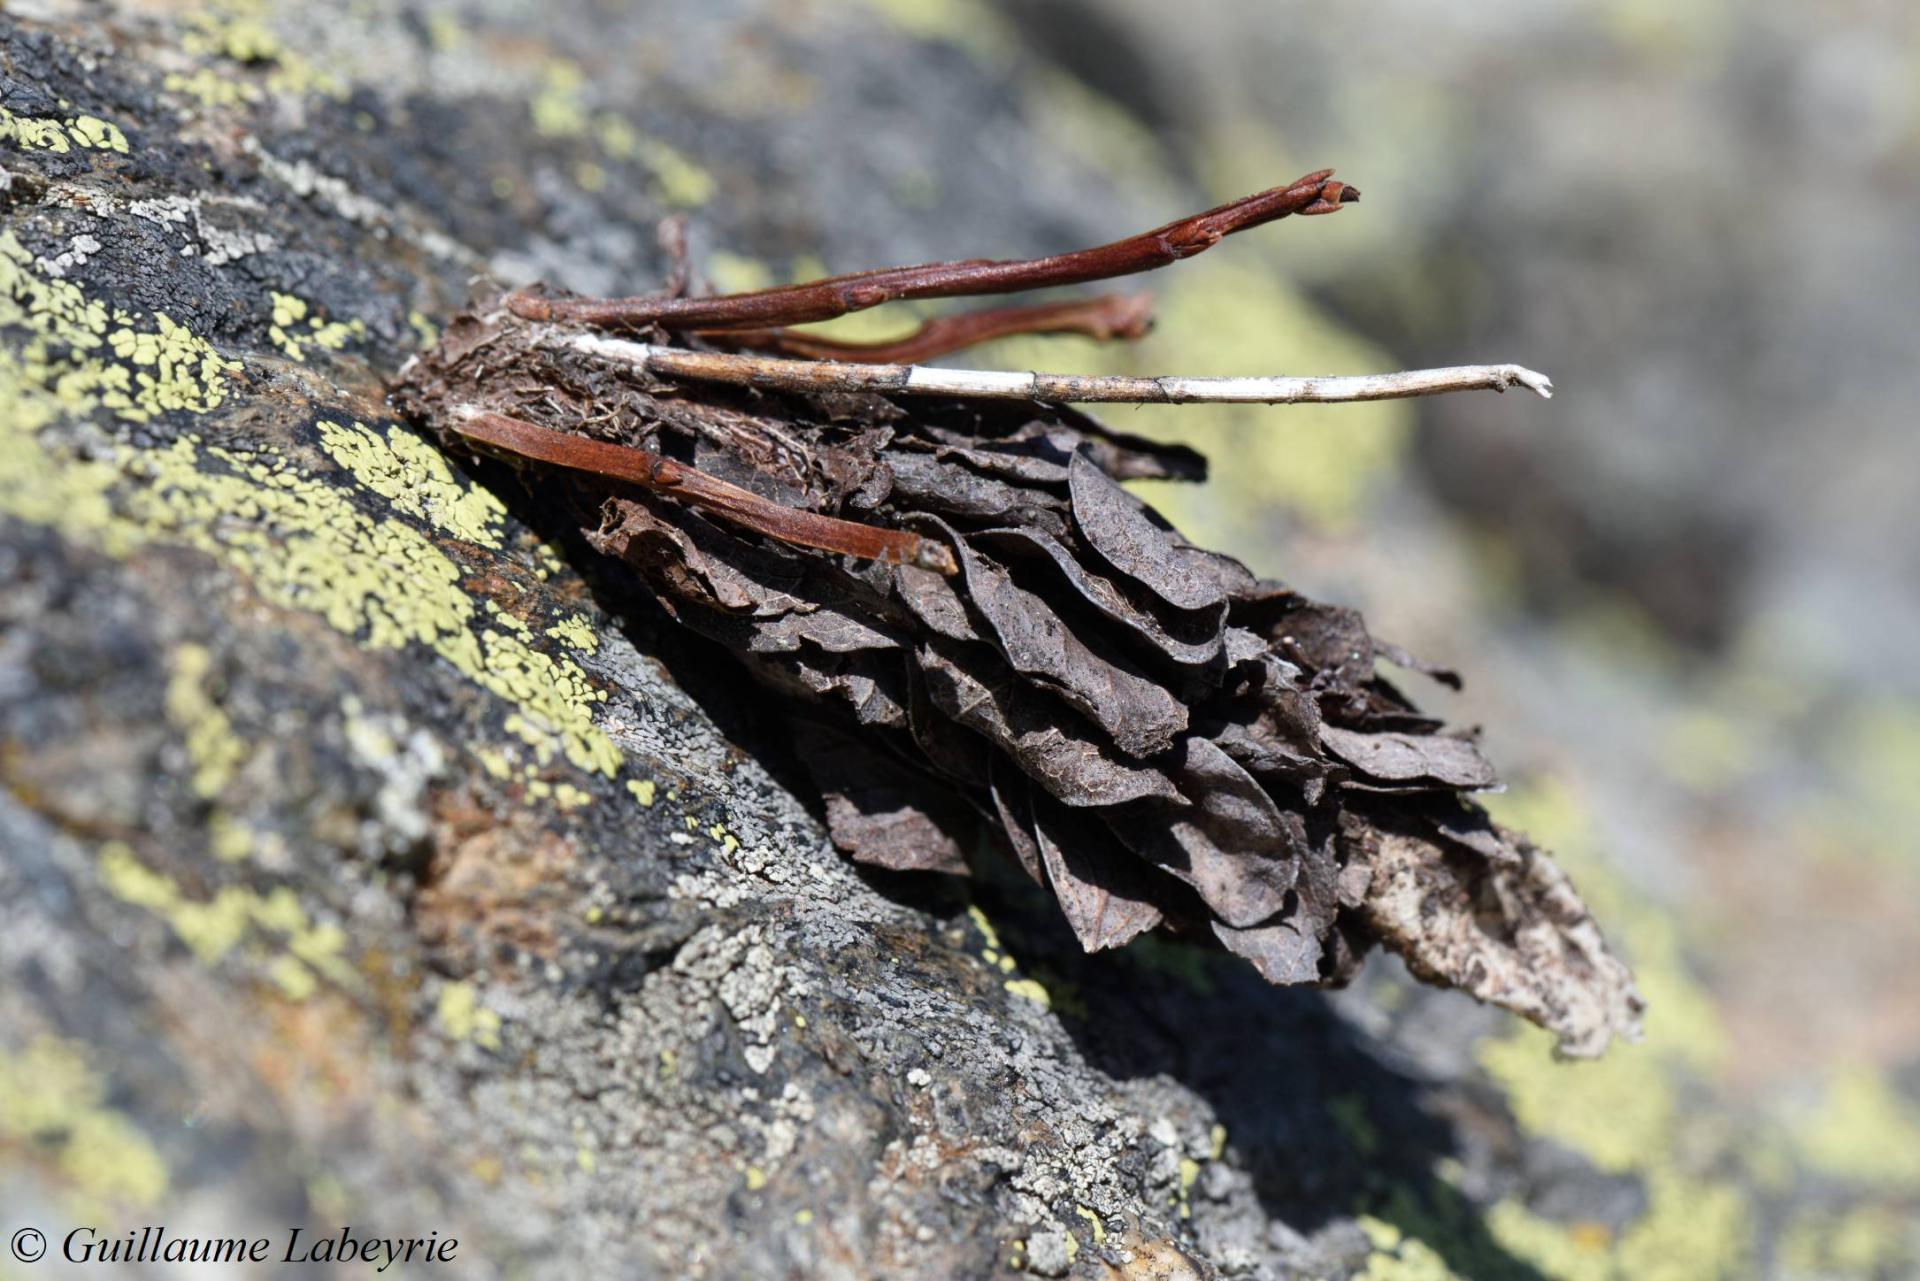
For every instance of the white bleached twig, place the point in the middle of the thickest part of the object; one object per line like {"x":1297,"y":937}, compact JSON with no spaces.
{"x":826,"y":375}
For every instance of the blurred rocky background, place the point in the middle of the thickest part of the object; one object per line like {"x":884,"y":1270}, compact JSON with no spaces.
{"x":1701,"y":562}
{"x":363,"y":862}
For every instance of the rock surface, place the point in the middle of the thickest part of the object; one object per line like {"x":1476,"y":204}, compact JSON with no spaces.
{"x":363,"y":867}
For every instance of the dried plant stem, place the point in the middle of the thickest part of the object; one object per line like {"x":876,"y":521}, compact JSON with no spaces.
{"x":518,"y":438}
{"x":1103,"y":319}
{"x":1316,"y":193}
{"x":773,"y":374}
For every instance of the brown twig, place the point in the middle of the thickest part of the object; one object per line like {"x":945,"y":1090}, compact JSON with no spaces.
{"x":697,"y":489}
{"x":1104,"y":318}
{"x":1317,"y":193}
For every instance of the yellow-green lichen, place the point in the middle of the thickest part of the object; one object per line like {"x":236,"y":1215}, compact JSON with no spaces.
{"x":1030,"y":989}
{"x":1692,"y":1228}
{"x":577,"y":631}
{"x":370,"y":739}
{"x":303,"y":543}
{"x":970,"y":24}
{"x":102,"y":135}
{"x":378,"y":579}
{"x":617,"y":138}
{"x":61,"y":136}
{"x":32,"y":134}
{"x":511,"y":622}
{"x":989,"y":935}
{"x":55,"y":1115}
{"x":214,"y":750}
{"x":1624,"y":1113}
{"x":1183,"y":1191}
{"x":463,"y":1018}
{"x":1059,"y":995}
{"x":425,"y":330}
{"x":235,"y":919}
{"x":733,"y":273}
{"x":559,"y":107}
{"x":1707,"y":749}
{"x":1399,"y":1257}
{"x":643,"y":790}
{"x":293,"y":329}
{"x":229,"y":839}
{"x":1098,"y":131}
{"x":1865,"y":1241}
{"x":682,"y":182}
{"x":444,"y":30}
{"x":1863,"y":1130}
{"x":1614,"y":1112}
{"x":211,"y":88}
{"x":61,"y":364}
{"x":1875,"y":751}
{"x":414,"y":478}
{"x":240,"y":31}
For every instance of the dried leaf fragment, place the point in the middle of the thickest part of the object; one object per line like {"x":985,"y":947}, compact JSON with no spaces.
{"x":1159,"y":737}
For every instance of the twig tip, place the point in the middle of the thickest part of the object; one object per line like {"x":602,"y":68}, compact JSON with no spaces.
{"x":1537,"y":383}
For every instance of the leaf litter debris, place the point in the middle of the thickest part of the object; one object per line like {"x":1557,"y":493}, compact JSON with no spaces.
{"x":1158,"y":736}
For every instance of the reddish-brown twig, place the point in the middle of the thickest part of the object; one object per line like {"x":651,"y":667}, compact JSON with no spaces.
{"x":1104,"y":318}
{"x":697,"y":489}
{"x":1316,"y":193}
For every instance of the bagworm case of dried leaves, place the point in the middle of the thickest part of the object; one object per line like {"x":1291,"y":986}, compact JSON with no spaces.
{"x":1162,"y":739}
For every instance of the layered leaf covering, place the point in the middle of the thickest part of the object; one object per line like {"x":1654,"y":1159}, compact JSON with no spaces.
{"x":1162,"y":738}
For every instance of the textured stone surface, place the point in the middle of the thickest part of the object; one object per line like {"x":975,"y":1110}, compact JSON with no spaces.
{"x":360,"y":865}
{"x":365,"y":865}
